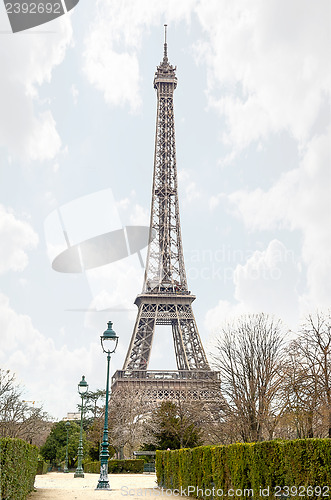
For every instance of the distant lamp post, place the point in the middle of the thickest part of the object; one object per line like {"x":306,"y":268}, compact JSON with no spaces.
{"x":67,"y":425}
{"x":109,"y":341}
{"x":82,"y":389}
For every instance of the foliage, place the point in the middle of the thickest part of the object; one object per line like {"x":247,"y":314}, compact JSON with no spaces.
{"x":95,"y":436}
{"x":91,"y":400}
{"x":54,"y":449}
{"x":18,"y":467}
{"x":91,"y":409}
{"x":42,"y":466}
{"x":175,"y":426}
{"x":93,"y":420}
{"x":135,"y":466}
{"x":302,"y":462}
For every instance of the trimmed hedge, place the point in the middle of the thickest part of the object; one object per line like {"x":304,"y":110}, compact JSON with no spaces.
{"x":42,"y":466}
{"x":251,"y":466}
{"x":18,"y":461}
{"x":135,"y":466}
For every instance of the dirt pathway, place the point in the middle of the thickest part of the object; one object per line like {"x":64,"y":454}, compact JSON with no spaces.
{"x":57,"y":485}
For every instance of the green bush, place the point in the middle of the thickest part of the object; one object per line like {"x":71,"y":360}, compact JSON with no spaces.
{"x":271,"y":465}
{"x":135,"y":466}
{"x":18,"y":461}
{"x":42,"y":466}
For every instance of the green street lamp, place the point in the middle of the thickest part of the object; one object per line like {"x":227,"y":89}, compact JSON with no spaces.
{"x":67,"y":425}
{"x":82,"y":390}
{"x":109,"y":341}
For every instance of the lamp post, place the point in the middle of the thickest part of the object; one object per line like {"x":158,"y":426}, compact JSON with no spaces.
{"x":67,"y":425}
{"x":82,"y":389}
{"x":109,"y":341}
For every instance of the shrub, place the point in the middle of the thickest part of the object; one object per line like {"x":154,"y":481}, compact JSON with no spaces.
{"x":42,"y":466}
{"x":249,"y":466}
{"x":135,"y":466}
{"x":18,"y":461}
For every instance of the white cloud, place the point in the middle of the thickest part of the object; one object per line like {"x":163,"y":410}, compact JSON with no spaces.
{"x":112,"y":45}
{"x":131,"y":212}
{"x":125,"y":276}
{"x":215,"y":200}
{"x":17,"y":236}
{"x":267,"y":282}
{"x":270,"y":63}
{"x":188,"y":186}
{"x":74,"y":92}
{"x":223,"y":313}
{"x":269,"y":72}
{"x":191,"y":192}
{"x":139,"y":216}
{"x":37,"y":362}
{"x":27,"y":61}
{"x":299,"y":200}
{"x":44,"y":142}
{"x":116,"y":75}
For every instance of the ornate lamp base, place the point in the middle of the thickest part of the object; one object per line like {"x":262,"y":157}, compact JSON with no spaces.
{"x":79,"y":474}
{"x":103,"y":483}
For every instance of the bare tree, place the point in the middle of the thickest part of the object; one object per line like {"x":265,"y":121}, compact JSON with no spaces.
{"x":12,"y":408}
{"x":128,"y":413}
{"x":248,"y":355}
{"x":201,"y":419}
{"x":313,"y":348}
{"x":300,"y":393}
{"x":18,"y":418}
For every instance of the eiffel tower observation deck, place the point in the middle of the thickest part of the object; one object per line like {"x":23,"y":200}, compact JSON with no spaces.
{"x":165,"y":298}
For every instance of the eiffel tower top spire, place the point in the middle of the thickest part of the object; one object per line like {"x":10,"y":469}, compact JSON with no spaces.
{"x":165,"y":71}
{"x":165,"y":56}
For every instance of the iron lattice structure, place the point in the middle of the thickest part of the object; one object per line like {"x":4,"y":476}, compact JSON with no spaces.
{"x":165,"y":299}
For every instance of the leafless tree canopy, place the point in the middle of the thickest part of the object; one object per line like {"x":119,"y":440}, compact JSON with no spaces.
{"x":309,"y":377}
{"x":128,"y":414}
{"x":274,"y":389}
{"x":19,"y":418}
{"x":248,"y":354}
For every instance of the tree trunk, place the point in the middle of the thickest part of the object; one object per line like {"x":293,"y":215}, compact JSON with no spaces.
{"x":310,"y":432}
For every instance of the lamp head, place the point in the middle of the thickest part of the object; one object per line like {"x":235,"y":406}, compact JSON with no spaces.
{"x":109,"y":339}
{"x":83,"y":386}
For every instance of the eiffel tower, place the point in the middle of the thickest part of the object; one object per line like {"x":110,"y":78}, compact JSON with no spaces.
{"x":165,"y":299}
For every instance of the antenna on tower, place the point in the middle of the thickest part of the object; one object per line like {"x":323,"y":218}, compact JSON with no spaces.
{"x":165,"y":58}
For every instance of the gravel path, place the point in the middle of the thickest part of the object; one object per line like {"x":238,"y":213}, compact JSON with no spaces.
{"x":57,"y":485}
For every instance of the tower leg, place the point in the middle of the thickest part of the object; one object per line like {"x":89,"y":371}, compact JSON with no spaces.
{"x":141,"y":342}
{"x":194,"y":351}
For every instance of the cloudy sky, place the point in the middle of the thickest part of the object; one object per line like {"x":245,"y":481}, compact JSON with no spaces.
{"x":77,"y":124}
